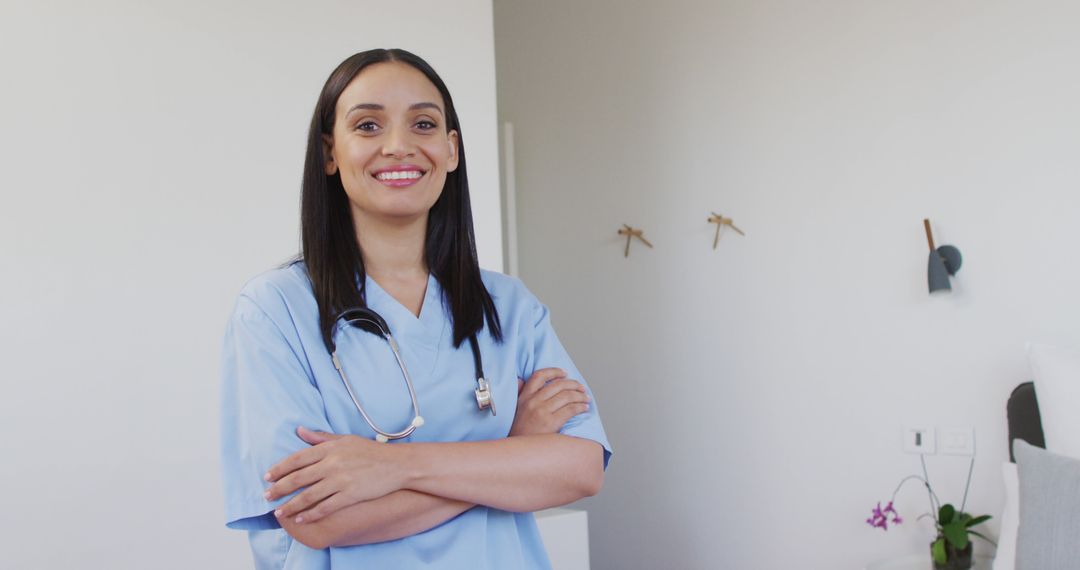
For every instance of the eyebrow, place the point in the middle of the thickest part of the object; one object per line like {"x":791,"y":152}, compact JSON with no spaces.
{"x":378,"y":107}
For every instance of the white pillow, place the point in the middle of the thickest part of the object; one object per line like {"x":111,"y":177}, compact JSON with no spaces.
{"x":1049,"y":501}
{"x":1005,"y":558}
{"x":1056,"y":373}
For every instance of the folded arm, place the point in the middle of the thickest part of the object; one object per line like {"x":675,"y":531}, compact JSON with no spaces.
{"x":397,"y":515}
{"x":357,"y":491}
{"x":519,"y":474}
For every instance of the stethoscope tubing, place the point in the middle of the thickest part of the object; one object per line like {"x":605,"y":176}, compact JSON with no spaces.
{"x":417,"y":420}
{"x":484,"y":399}
{"x":408,"y":383}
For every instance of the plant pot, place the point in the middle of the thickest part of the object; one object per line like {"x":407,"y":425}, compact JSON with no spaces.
{"x":955,"y":559}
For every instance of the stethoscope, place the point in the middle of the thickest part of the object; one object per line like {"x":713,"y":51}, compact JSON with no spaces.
{"x":370,"y":321}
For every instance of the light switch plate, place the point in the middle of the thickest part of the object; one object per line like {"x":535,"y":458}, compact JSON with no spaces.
{"x":920,"y":440}
{"x":958,"y":441}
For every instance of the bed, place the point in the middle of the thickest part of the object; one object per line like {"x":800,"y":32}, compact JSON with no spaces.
{"x":1040,"y":526}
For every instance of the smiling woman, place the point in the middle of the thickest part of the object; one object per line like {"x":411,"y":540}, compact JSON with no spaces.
{"x":387,"y":234}
{"x":392,"y":135}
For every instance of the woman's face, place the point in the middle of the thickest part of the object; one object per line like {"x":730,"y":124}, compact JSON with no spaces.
{"x":390,"y":144}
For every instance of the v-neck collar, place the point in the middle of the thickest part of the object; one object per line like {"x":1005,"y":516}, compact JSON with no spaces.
{"x":427,"y":328}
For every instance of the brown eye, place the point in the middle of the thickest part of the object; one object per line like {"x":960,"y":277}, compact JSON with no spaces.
{"x":367,"y":126}
{"x":425,"y":125}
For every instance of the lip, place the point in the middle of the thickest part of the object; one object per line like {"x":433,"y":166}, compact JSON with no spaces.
{"x":402,"y":182}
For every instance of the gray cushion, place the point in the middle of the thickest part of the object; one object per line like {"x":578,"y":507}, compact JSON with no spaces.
{"x":1049,"y":537}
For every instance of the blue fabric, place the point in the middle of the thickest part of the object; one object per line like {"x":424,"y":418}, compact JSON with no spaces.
{"x":277,"y":375}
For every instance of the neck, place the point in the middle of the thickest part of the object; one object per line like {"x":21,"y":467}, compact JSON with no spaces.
{"x":392,"y":249}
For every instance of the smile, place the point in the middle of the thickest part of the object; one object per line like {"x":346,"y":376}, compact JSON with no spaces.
{"x":399,"y":175}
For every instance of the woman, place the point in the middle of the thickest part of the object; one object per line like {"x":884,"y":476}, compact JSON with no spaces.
{"x":386,"y":225}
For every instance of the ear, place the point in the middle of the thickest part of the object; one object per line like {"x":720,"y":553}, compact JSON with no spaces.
{"x":452,"y":138}
{"x":328,"y":152}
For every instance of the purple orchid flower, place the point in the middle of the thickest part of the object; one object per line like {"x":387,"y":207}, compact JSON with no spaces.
{"x":879,"y":517}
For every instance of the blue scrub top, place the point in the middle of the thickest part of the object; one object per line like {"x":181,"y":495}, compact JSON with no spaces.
{"x":277,"y":375}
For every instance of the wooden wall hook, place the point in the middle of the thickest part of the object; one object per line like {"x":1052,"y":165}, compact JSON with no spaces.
{"x":720,"y":222}
{"x":630,"y":234}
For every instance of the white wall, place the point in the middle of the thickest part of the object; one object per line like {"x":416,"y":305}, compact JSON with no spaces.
{"x":755,"y":394}
{"x":150,"y":163}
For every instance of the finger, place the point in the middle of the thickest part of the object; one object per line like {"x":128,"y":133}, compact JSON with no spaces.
{"x":565,"y":398}
{"x":563,"y":415}
{"x":325,"y":508}
{"x":559,"y":386}
{"x":541,"y":377}
{"x":315,"y":437}
{"x":521,"y":385}
{"x":304,"y":500}
{"x":298,"y":460}
{"x":294,"y":481}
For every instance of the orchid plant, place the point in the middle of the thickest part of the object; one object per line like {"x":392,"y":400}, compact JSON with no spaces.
{"x":951,"y":547}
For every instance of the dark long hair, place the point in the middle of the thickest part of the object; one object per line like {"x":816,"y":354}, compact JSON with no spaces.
{"x":328,"y":236}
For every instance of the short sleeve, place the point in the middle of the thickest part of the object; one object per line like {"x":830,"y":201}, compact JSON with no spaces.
{"x":266,"y":393}
{"x":545,"y":351}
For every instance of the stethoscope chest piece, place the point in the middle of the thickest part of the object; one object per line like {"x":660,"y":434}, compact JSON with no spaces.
{"x":483,"y":396}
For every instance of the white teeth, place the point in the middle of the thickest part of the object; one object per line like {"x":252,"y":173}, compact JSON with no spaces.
{"x":400,"y":175}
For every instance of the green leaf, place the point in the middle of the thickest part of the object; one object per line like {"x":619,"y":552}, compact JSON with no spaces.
{"x":977,"y":520}
{"x":938,"y":550}
{"x":956,"y":534}
{"x":945,"y":515}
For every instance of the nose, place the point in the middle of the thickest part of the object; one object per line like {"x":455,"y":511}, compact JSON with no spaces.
{"x":398,"y":143}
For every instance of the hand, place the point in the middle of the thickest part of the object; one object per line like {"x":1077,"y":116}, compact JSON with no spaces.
{"x":547,"y":401}
{"x":338,"y":471}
